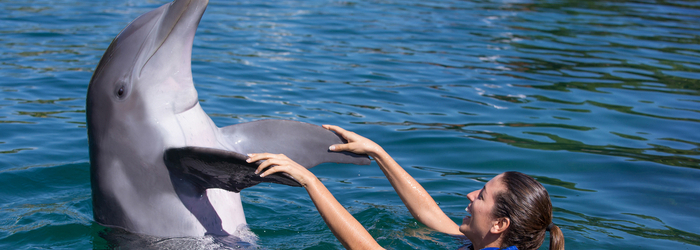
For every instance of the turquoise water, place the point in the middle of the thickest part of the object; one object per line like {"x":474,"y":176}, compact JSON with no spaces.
{"x":600,"y":101}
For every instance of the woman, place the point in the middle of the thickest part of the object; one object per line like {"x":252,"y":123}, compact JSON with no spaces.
{"x":511,"y":211}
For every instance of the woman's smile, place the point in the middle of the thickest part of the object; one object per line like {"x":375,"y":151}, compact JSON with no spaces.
{"x":466,"y":219}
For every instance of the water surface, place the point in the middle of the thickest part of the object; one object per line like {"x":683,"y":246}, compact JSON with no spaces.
{"x":598,"y":100}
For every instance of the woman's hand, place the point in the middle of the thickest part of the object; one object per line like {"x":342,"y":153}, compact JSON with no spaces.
{"x":281,"y":163}
{"x":356,"y":143}
{"x":345,"y":227}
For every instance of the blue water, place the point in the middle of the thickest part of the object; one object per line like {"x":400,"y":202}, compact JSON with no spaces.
{"x":599,"y":100}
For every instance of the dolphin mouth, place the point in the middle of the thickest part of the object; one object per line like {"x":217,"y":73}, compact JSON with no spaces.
{"x":190,"y":107}
{"x":173,"y":15}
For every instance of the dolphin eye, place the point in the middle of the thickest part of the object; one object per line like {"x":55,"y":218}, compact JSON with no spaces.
{"x":121,"y":91}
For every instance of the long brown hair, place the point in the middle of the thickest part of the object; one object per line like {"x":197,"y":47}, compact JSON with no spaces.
{"x":526,"y":203}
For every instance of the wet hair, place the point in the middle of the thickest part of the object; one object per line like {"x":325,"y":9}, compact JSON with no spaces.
{"x":526,"y":203}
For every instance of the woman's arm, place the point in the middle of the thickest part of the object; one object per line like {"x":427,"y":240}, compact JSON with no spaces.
{"x":345,"y":227}
{"x":417,"y":200}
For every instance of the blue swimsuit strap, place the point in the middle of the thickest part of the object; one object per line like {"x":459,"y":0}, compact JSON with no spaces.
{"x":495,"y":248}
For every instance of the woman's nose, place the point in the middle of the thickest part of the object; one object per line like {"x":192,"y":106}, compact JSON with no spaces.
{"x":472,"y":196}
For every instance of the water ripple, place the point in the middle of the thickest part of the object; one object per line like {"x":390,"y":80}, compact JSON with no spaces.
{"x":599,"y":100}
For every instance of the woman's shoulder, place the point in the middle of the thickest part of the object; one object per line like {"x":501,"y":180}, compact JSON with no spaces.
{"x":467,"y":246}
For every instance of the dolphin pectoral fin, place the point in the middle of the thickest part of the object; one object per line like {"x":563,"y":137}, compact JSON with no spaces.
{"x":215,"y":168}
{"x":305,"y":143}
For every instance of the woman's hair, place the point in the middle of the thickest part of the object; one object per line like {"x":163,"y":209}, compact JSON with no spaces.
{"x":526,"y":203}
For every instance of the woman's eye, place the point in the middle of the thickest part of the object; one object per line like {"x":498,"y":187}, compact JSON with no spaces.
{"x":120,"y":92}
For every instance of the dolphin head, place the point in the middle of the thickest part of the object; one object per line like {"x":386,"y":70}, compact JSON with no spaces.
{"x":150,"y":59}
{"x":144,"y":77}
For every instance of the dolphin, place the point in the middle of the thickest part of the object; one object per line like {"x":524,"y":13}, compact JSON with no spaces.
{"x":158,"y":164}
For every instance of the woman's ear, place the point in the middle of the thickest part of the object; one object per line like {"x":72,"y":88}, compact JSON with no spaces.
{"x":500,"y":225}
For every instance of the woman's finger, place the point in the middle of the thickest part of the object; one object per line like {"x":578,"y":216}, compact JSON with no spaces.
{"x":257,"y":157}
{"x":266,"y":158}
{"x":275,"y":163}
{"x":270,"y":160}
{"x":334,"y":128}
{"x":338,"y":130}
{"x":274,"y":169}
{"x":264,"y":165}
{"x":338,"y":147}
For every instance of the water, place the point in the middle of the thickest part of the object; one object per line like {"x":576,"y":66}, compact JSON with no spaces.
{"x":599,"y":100}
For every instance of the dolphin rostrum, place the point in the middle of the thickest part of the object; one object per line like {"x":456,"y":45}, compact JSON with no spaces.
{"x":158,"y":164}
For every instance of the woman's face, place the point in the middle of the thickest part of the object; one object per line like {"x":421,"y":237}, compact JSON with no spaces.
{"x":478,"y":225}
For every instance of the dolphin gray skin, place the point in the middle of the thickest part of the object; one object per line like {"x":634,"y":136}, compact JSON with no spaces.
{"x":141,"y":103}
